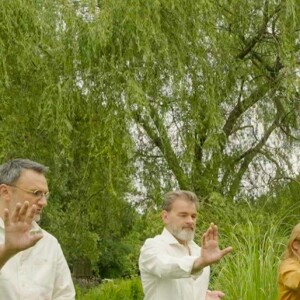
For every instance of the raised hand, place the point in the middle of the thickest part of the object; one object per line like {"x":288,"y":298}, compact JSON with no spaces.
{"x":18,"y":231}
{"x":210,"y":251}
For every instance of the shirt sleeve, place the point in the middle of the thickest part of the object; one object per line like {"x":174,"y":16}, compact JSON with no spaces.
{"x":154,"y":259}
{"x":290,"y":275}
{"x":63,"y":286}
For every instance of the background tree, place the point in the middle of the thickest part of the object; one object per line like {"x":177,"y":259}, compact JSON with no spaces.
{"x":119,"y":95}
{"x":48,"y":116}
{"x":213,"y":89}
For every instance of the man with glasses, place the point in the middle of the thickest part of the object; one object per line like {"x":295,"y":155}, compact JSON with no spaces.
{"x":32,"y":264}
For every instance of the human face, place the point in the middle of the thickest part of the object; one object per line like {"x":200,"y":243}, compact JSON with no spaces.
{"x":29,"y":180}
{"x":181,"y":220}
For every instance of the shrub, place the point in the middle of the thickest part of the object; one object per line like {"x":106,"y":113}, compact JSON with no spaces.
{"x":129,"y":289}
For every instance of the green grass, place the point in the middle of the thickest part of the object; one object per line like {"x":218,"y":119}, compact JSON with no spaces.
{"x":130,"y":289}
{"x":250,"y":272}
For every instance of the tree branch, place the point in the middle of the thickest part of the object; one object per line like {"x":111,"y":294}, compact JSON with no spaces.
{"x":249,"y":155}
{"x":249,"y":45}
{"x":242,"y":107}
{"x":159,"y":137}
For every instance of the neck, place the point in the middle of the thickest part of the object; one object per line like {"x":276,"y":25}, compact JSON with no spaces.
{"x":184,"y":243}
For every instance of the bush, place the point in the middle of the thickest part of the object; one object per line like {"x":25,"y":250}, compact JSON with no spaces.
{"x":129,"y":289}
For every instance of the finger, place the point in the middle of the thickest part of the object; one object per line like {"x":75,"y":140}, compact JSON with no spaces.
{"x":215,"y":232}
{"x":30,"y":214}
{"x":23,"y":211}
{"x":203,"y":240}
{"x":226,"y":251}
{"x":36,"y":235}
{"x":6,"y":217}
{"x":15,"y":214}
{"x":210,"y":231}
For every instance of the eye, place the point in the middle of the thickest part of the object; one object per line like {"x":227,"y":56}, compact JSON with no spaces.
{"x":38,"y":193}
{"x":183,"y":215}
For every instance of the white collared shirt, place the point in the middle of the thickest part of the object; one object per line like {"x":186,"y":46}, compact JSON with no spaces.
{"x":165,"y":266}
{"x":38,"y":273}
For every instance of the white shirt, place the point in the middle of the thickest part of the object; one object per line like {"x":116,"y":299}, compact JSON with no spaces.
{"x":38,"y":273}
{"x":166,"y":266}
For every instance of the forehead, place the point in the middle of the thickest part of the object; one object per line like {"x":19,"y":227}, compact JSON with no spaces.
{"x":32,"y":178}
{"x":183,"y":205}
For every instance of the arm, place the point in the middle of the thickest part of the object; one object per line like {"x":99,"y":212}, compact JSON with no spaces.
{"x":155,"y":259}
{"x":210,"y":251}
{"x":289,"y":274}
{"x":63,"y":286}
{"x":18,"y":235}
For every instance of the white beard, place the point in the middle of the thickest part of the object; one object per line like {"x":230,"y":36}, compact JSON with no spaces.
{"x":182,"y":234}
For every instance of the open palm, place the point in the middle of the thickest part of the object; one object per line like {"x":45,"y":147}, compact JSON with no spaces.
{"x":210,"y":251}
{"x":18,"y":226}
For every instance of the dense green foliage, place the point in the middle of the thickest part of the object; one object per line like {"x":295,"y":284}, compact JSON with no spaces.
{"x":116,"y":290}
{"x":124,"y":100}
{"x":47,"y":116}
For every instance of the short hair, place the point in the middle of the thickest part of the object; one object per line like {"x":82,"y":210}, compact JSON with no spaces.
{"x":12,"y":170}
{"x":290,"y":251}
{"x":170,"y":198}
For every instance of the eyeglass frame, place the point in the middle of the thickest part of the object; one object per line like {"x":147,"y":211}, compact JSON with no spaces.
{"x":37,"y":193}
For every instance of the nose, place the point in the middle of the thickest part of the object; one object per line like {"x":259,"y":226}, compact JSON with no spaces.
{"x":190,"y":220}
{"x":43,"y":201}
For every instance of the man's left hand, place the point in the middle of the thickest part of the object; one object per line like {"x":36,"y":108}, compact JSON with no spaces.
{"x":213,"y":295}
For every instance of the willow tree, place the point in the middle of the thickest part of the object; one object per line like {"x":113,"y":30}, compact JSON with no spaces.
{"x":197,"y":94}
{"x":212,"y":88}
{"x":49,"y":116}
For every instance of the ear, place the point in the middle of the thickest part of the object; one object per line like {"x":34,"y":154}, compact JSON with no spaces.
{"x":295,"y":245}
{"x":165,"y":216}
{"x":4,"y":192}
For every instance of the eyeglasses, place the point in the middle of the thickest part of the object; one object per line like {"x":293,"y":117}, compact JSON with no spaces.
{"x":37,"y":193}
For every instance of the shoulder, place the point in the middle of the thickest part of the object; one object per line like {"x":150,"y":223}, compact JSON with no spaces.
{"x":158,"y":243}
{"x":158,"y":239}
{"x":46,"y":235}
{"x":288,"y":265}
{"x":49,"y":236}
{"x":48,"y":243}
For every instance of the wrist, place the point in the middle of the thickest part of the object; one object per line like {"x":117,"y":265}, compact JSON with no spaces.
{"x":6,"y":254}
{"x":199,"y":264}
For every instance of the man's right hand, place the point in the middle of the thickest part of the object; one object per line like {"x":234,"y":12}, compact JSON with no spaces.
{"x":18,"y":235}
{"x":210,"y":251}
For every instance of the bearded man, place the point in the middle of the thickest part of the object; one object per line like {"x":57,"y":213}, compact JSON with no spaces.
{"x":172,"y":265}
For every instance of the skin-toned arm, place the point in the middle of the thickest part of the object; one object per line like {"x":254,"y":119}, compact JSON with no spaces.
{"x":210,"y":251}
{"x":18,"y":235}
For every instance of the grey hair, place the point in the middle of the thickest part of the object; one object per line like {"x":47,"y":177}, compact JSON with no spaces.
{"x":170,"y":198}
{"x":11,"y":170}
